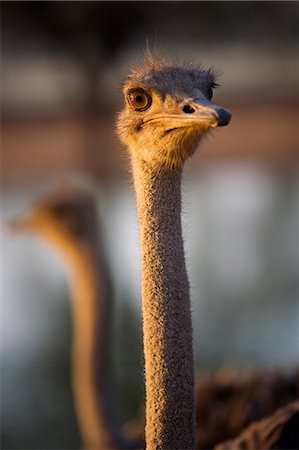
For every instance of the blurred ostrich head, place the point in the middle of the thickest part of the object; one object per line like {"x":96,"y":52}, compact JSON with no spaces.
{"x":65,"y":215}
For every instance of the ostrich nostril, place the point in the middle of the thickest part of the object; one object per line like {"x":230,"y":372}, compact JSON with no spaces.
{"x":188,"y":109}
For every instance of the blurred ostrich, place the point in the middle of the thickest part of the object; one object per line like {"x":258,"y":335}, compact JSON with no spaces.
{"x":67,"y":220}
{"x":168,"y":110}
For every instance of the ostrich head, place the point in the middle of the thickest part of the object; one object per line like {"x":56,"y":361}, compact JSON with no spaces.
{"x":168,"y":109}
{"x":65,"y":216}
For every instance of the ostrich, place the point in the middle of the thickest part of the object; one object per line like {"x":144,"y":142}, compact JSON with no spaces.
{"x":67,"y":220}
{"x":167,"y":111}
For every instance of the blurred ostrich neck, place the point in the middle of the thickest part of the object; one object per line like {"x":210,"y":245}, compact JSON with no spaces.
{"x":89,"y":311}
{"x":167,"y":324}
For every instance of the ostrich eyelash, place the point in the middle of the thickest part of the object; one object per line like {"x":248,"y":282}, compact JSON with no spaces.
{"x":214,"y":85}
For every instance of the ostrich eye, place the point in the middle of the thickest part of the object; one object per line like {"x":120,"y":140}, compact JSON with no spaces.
{"x":210,"y":93}
{"x":139,"y":99}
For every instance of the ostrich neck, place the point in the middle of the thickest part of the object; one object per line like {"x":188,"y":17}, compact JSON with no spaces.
{"x":98,"y":425}
{"x":169,"y":371}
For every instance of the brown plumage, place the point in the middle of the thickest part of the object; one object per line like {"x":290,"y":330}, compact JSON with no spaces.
{"x":280,"y":431}
{"x":229,"y":400}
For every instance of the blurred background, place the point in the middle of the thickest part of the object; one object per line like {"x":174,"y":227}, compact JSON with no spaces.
{"x":62,"y":65}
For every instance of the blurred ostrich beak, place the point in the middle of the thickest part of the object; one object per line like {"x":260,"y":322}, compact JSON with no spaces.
{"x":16,"y":225}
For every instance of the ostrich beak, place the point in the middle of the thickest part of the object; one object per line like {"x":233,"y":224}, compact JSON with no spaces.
{"x":194,"y":112}
{"x":16,"y":225}
{"x":204,"y":107}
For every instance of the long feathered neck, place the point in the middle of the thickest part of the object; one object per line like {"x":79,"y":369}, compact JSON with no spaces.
{"x":92,"y":394}
{"x":169,"y":371}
